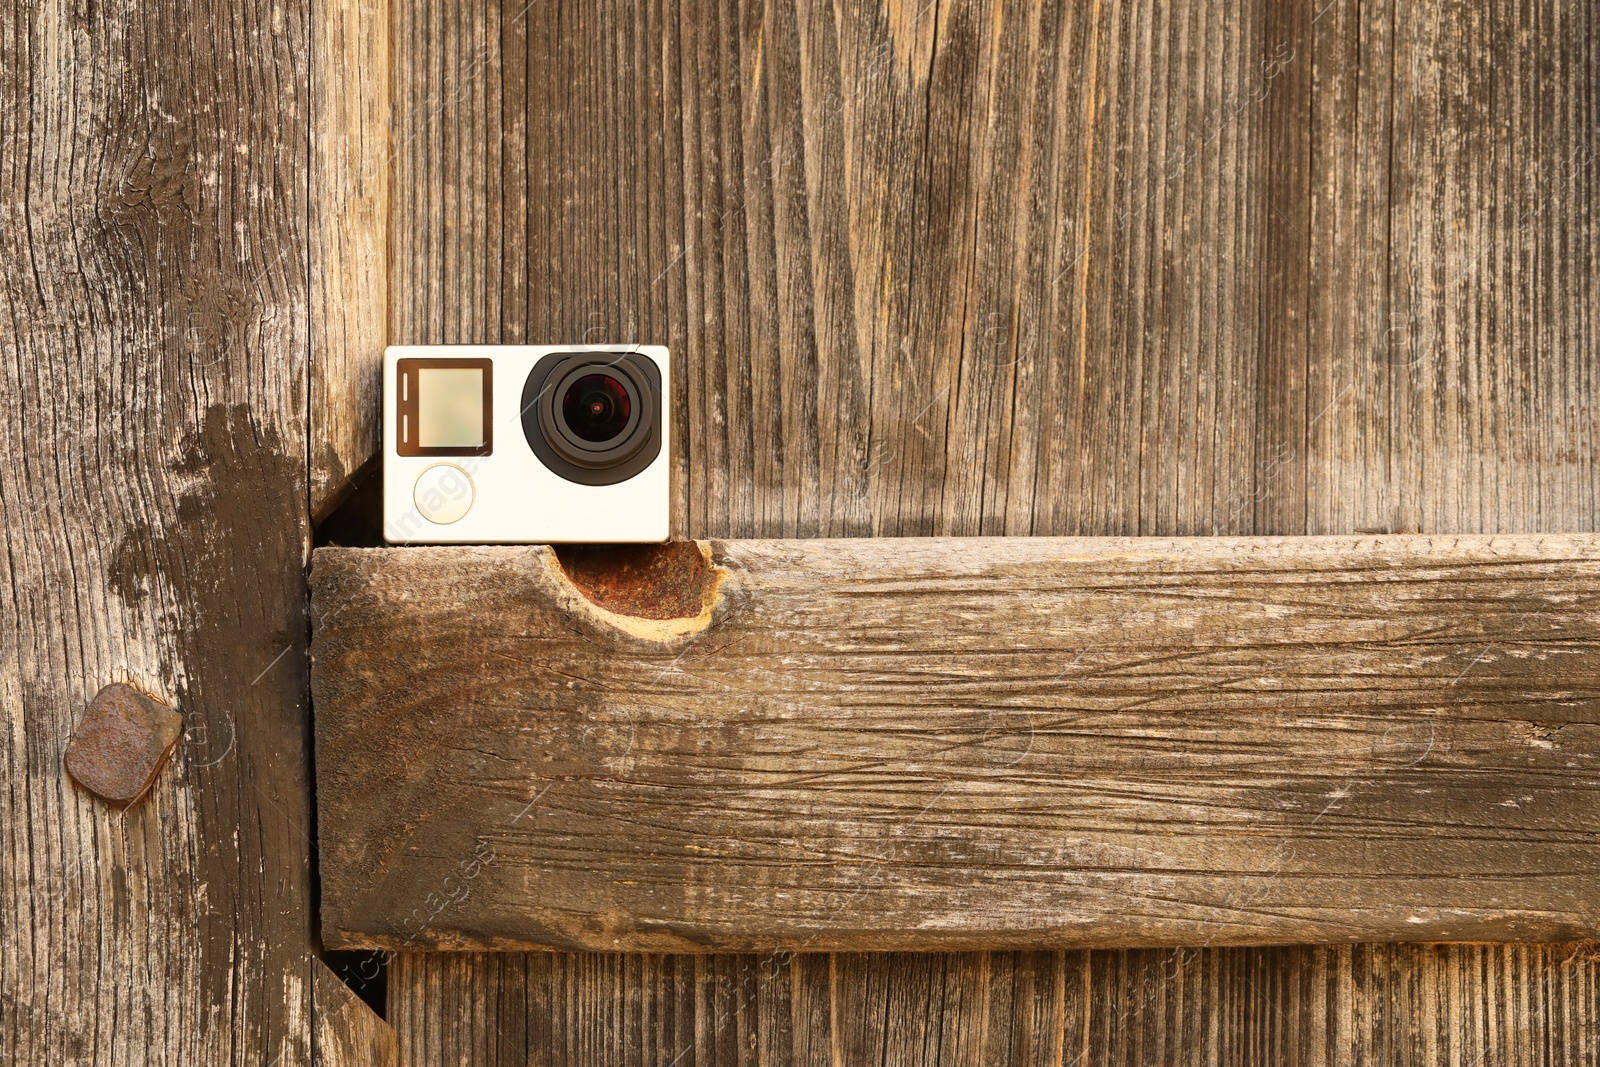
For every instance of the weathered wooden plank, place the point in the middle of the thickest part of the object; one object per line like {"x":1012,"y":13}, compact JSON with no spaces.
{"x":350,"y":163}
{"x":1454,"y":247}
{"x":1392,"y":1004}
{"x":936,"y":743}
{"x":154,"y":325}
{"x":344,"y":1031}
{"x":1351,"y":449}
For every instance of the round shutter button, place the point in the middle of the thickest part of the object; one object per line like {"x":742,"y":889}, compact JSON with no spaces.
{"x":443,"y":493}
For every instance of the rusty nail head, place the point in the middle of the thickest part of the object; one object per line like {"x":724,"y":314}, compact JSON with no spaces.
{"x":120,"y":743}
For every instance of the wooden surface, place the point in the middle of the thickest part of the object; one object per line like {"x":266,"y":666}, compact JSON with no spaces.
{"x":344,"y":1031}
{"x":156,"y":315}
{"x":1423,"y":178}
{"x":1361,"y":1004}
{"x":1076,"y":269}
{"x":914,"y":744}
{"x":350,"y":163}
{"x":153,"y":479}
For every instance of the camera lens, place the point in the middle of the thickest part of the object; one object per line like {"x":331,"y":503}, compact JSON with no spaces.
{"x":594,"y":417}
{"x":596,"y":407}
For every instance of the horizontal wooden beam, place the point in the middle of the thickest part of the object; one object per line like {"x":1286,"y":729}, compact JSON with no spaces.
{"x":943,"y":743}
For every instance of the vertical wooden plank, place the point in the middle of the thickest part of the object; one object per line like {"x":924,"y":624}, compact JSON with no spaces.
{"x":1155,"y":392}
{"x":345,"y":1032}
{"x":1357,"y":344}
{"x":154,"y":330}
{"x":350,"y":162}
{"x":1282,"y":176}
{"x":1492,"y":266}
{"x":405,"y":1009}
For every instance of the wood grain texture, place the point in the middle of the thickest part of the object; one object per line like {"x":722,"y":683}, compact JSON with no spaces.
{"x":1407,"y":1005}
{"x":914,"y":744}
{"x":1453,"y":252}
{"x":1069,"y":269}
{"x":350,"y":164}
{"x":344,"y":1031}
{"x":891,"y":249}
{"x":607,"y":172}
{"x":154,"y":325}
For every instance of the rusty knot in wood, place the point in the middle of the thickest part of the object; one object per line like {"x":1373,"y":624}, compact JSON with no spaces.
{"x":672,"y":581}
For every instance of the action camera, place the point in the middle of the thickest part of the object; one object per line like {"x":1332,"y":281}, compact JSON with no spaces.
{"x":525,"y":444}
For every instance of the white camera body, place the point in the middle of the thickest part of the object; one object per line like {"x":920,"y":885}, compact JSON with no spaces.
{"x":526,"y":444}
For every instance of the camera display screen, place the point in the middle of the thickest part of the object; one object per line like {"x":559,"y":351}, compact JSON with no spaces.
{"x":449,"y":407}
{"x":443,"y":406}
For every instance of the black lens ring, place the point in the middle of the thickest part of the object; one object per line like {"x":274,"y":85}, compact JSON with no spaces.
{"x":568,"y":455}
{"x":613,"y":449}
